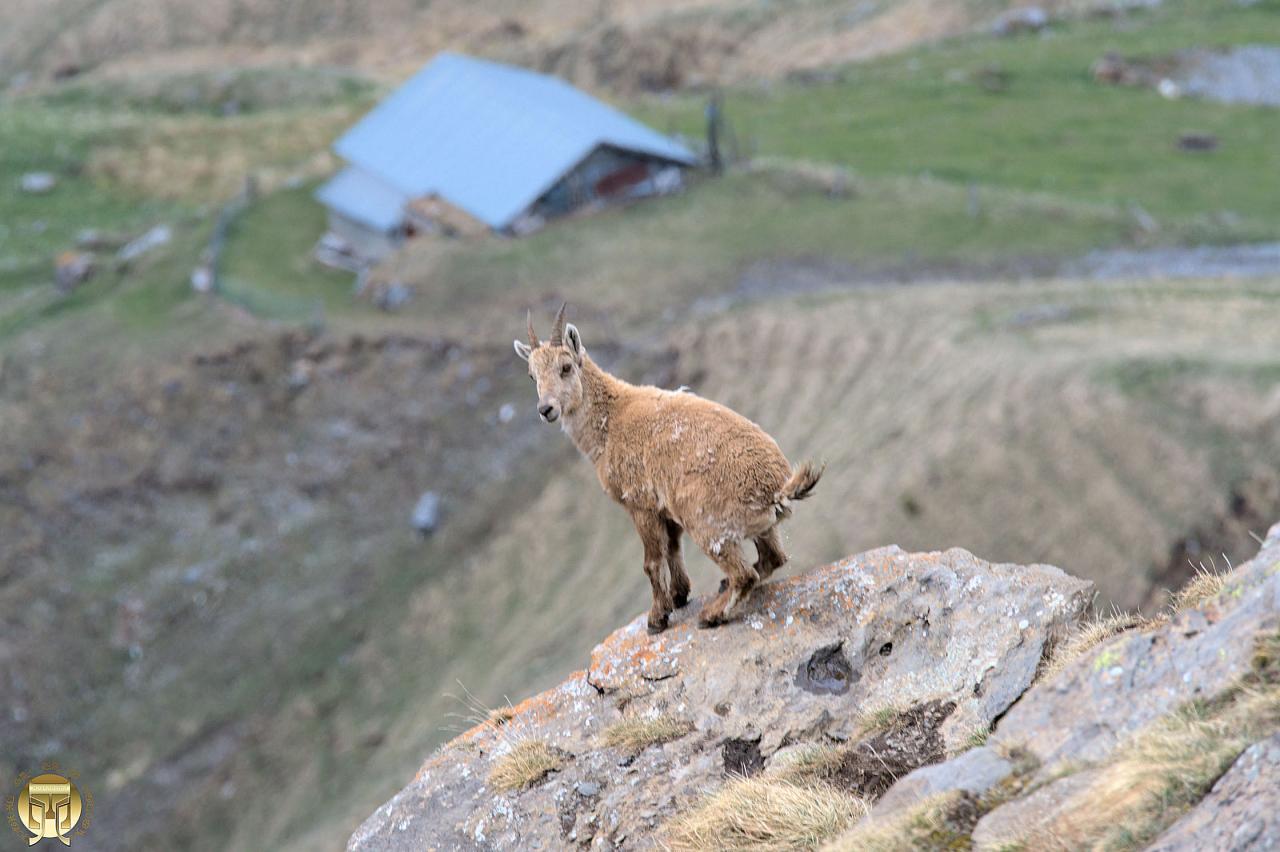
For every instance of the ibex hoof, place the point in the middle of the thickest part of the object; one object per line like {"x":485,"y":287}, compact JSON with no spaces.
{"x":706,"y":621}
{"x":680,"y":599}
{"x":656,"y":627}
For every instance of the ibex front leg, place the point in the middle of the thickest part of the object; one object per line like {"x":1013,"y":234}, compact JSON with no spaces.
{"x":653,"y":533}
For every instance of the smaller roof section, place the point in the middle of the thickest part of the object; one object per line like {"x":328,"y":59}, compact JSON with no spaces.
{"x":370,"y":201}
{"x":489,"y":138}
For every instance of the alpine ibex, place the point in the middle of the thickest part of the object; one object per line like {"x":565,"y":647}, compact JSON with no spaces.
{"x":677,"y":463}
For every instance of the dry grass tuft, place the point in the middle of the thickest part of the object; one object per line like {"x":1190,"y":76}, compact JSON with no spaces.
{"x":939,"y":823}
{"x":765,"y":813}
{"x":197,"y":158}
{"x":637,"y":734}
{"x":527,"y":763}
{"x":813,"y":763}
{"x":875,"y":721}
{"x":1206,"y":583}
{"x":1087,"y":636}
{"x":1169,"y":766}
{"x":977,"y":737}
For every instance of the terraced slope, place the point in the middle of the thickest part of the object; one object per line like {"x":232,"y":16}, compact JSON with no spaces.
{"x":626,"y":45}
{"x":1089,"y":426}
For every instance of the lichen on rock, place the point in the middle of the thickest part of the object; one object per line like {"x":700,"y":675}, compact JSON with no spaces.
{"x":950,"y":639}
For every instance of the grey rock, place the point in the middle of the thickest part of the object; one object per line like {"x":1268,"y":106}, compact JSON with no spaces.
{"x":975,"y":771}
{"x":93,"y":239}
{"x":37,"y":183}
{"x":1029,"y":19}
{"x":394,"y":296}
{"x":911,"y":629}
{"x":1005,"y":825}
{"x":1249,"y":74}
{"x":426,"y":513}
{"x":1097,"y":702}
{"x":73,"y":268}
{"x":1119,"y":687}
{"x":1241,"y":812}
{"x":149,"y":241}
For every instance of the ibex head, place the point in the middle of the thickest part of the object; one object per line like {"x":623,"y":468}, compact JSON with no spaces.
{"x":555,"y":367}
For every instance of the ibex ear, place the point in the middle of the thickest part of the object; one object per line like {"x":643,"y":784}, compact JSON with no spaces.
{"x":573,"y":340}
{"x":522,"y":349}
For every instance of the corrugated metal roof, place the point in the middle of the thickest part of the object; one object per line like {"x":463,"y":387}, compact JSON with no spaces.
{"x":489,"y":138}
{"x":359,"y":195}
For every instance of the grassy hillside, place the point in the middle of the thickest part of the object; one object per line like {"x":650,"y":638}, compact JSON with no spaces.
{"x":1049,"y":128}
{"x":946,"y":419}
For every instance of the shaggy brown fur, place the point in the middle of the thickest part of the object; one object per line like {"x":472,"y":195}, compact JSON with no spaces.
{"x":677,"y":463}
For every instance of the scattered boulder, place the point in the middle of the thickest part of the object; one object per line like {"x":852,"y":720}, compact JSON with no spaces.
{"x":1249,"y":74}
{"x":426,"y":513}
{"x":1116,"y":8}
{"x":1242,"y":811}
{"x":1116,"y":70}
{"x":939,"y":643}
{"x":394,"y":296}
{"x":1197,"y":142}
{"x":1071,"y":724}
{"x":1029,"y":19}
{"x":93,"y":239}
{"x":73,"y":268}
{"x":66,"y":71}
{"x":149,"y":241}
{"x":38,"y":183}
{"x":202,"y":278}
{"x":388,"y":296}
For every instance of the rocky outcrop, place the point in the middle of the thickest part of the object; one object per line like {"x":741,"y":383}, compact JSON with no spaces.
{"x":924,"y":675}
{"x":944,"y":643}
{"x":1056,"y":743}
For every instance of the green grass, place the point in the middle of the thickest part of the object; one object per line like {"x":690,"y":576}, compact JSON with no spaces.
{"x":268,"y":269}
{"x":236,"y":90}
{"x":122,"y":167}
{"x":34,"y":227}
{"x":696,"y":244}
{"x":1054,"y":129}
{"x":1054,"y":164}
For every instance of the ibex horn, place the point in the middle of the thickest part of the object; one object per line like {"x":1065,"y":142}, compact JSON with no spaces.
{"x":557,"y":331}
{"x":533,"y":335}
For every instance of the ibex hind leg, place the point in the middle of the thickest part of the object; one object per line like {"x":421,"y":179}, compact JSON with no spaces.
{"x":679,"y":578}
{"x":770,"y":555}
{"x":740,"y":579}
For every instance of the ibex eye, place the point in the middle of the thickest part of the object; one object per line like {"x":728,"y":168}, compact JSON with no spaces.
{"x":566,"y":370}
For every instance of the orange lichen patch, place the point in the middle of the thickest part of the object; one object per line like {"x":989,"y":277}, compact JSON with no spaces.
{"x":549,"y":704}
{"x":528,"y":714}
{"x":631,"y":652}
{"x":532,"y":711}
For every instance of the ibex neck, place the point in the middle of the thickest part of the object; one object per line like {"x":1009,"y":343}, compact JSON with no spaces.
{"x":588,"y":425}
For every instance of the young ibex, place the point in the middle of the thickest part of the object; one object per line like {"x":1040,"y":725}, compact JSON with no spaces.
{"x":677,"y":463}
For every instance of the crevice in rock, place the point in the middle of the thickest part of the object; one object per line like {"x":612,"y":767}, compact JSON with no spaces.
{"x":742,"y":756}
{"x":912,"y":740}
{"x":827,"y":671}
